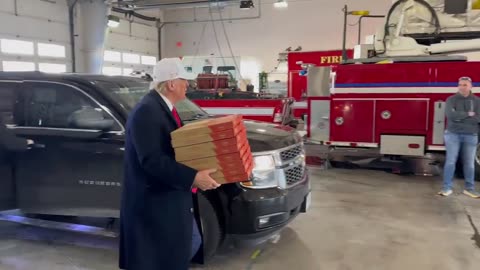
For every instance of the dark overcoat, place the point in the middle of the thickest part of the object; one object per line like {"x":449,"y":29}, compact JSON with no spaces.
{"x":156,"y":212}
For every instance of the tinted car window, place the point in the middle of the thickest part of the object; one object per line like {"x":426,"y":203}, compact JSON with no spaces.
{"x":129,"y":92}
{"x":9,"y":108}
{"x":53,"y":105}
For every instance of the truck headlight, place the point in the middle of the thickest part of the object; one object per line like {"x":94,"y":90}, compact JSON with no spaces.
{"x":263,"y":175}
{"x":263,"y":163}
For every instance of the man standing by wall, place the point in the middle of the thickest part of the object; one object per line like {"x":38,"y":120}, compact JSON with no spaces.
{"x":463,"y":118}
{"x":157,"y":208}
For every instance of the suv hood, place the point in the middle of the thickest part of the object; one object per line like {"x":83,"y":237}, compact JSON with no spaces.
{"x":268,"y":137}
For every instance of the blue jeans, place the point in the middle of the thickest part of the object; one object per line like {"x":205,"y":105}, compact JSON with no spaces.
{"x":454,"y":142}
{"x":196,"y":239}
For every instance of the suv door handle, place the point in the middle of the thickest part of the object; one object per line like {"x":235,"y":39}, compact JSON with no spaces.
{"x":36,"y":146}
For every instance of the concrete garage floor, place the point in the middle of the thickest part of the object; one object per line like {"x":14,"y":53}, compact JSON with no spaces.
{"x":358,"y":220}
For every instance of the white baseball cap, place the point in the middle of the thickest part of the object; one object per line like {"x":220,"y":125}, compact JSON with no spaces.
{"x":169,"y":69}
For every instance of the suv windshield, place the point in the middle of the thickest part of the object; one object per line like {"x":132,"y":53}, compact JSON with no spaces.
{"x":129,"y":91}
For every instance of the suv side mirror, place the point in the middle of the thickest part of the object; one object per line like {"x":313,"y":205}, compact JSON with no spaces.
{"x":90,"y":118}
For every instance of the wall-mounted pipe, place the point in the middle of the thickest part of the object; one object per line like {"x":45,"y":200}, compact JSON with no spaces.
{"x":94,"y":33}
{"x":134,"y":14}
{"x":71,"y":19}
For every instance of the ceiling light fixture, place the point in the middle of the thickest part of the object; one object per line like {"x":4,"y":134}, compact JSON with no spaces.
{"x":281,"y":4}
{"x":113,"y":21}
{"x":246,"y":4}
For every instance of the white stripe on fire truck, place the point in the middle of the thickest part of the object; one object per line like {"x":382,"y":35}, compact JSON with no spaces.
{"x":436,"y":148}
{"x":394,"y":90}
{"x":300,"y":105}
{"x":354,"y":143}
{"x":244,"y":111}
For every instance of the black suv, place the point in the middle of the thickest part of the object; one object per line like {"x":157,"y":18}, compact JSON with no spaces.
{"x":75,"y":167}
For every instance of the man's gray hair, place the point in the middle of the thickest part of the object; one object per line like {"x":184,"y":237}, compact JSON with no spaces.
{"x":465,"y":79}
{"x":159,"y":86}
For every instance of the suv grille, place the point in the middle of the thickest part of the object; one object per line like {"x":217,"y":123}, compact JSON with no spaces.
{"x":295,"y":174}
{"x":291,"y":153}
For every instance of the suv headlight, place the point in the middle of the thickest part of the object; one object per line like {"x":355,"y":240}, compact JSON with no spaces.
{"x":263,"y":175}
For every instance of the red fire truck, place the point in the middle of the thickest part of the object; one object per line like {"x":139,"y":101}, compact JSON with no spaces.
{"x":298,"y":62}
{"x":214,"y":94}
{"x":388,"y":104}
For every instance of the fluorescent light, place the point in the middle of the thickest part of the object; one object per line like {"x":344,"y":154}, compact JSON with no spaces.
{"x":281,"y":4}
{"x":113,"y":21}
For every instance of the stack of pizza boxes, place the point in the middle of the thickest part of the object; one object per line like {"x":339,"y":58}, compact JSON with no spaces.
{"x":219,"y":143}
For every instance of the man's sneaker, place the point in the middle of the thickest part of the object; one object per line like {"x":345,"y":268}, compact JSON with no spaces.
{"x":445,"y":193}
{"x":472,"y":193}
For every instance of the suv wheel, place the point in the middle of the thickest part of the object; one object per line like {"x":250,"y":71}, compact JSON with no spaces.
{"x":211,"y":228}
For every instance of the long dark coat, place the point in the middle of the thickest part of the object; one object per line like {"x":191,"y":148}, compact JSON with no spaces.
{"x":156,"y":213}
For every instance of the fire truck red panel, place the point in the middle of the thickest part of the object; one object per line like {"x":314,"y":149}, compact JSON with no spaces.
{"x":450,"y":72}
{"x":297,"y":85}
{"x":346,"y":114}
{"x":392,"y":118}
{"x":380,"y":75}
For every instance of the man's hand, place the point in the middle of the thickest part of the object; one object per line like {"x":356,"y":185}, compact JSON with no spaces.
{"x":471,"y":113}
{"x":203,"y":180}
{"x":30,"y":142}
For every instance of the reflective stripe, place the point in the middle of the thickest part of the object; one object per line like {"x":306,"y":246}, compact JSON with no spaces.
{"x":436,"y":148}
{"x":243,"y":111}
{"x":350,"y":144}
{"x":300,"y":105}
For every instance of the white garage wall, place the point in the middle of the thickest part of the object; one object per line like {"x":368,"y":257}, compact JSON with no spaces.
{"x":133,"y":37}
{"x":312,"y":24}
{"x":36,"y":21}
{"x":47,"y":21}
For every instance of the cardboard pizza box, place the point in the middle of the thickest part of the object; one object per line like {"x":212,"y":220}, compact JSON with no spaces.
{"x":210,"y":149}
{"x":224,"y":162}
{"x":226,"y":179}
{"x":191,"y":137}
{"x":209,"y":126}
{"x":208,"y":131}
{"x":233,"y":172}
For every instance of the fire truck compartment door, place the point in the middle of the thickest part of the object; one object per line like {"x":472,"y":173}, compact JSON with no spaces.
{"x":402,"y":145}
{"x":401,"y":116}
{"x":318,"y":81}
{"x":320,"y":120}
{"x":352,"y":121}
{"x":438,"y":122}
